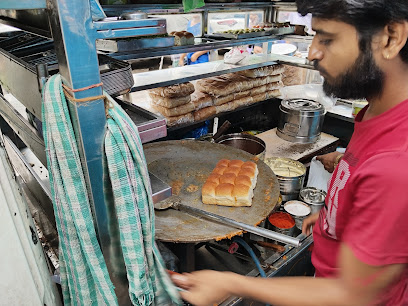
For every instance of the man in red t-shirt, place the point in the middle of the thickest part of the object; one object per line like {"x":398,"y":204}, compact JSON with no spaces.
{"x":361,"y":251}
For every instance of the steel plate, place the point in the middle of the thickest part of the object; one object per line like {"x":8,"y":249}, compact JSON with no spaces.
{"x":185,"y":165}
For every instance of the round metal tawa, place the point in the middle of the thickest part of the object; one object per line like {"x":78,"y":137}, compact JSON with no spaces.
{"x":185,"y":165}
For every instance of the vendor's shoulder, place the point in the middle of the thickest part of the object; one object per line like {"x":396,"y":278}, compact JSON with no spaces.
{"x":386,"y":164}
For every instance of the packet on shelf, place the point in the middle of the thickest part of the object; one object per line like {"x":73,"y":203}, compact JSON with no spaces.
{"x":236,"y":56}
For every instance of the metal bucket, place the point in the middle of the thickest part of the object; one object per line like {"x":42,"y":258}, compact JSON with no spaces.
{"x":245,"y":142}
{"x":290,"y":174}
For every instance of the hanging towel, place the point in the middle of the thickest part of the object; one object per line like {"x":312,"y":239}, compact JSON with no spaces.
{"x":84,"y":275}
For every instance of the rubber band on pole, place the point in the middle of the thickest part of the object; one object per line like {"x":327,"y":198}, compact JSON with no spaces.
{"x":83,"y":88}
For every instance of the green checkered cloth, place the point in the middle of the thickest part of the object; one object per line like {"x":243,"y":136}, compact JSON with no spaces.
{"x":84,"y":275}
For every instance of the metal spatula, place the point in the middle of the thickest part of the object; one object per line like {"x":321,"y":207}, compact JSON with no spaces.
{"x":175,"y":203}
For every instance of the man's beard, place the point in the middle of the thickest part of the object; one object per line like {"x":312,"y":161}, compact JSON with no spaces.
{"x":364,"y":80}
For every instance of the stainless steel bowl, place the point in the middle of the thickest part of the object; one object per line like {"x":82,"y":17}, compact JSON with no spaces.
{"x":298,"y":217}
{"x":290,"y":174}
{"x":313,"y":197}
{"x":137,"y":15}
{"x":245,"y":142}
{"x":285,"y":231}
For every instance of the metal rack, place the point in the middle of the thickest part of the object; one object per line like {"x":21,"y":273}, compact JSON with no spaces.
{"x":76,"y":54}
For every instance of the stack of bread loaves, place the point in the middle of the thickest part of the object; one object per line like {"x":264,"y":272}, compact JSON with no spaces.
{"x":233,"y":90}
{"x":231,"y":183}
{"x":174,"y":102}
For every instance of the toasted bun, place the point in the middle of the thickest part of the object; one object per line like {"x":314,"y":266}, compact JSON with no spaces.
{"x":223,"y":163}
{"x":249,"y":164}
{"x":231,"y":183}
{"x":219,"y":170}
{"x":228,"y":178}
{"x":243,"y":180}
{"x":243,"y":195}
{"x":236,"y":163}
{"x":233,"y":170}
{"x":214,"y":178}
{"x":208,"y":192}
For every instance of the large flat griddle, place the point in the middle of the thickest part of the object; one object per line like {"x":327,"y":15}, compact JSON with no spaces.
{"x":185,"y":165}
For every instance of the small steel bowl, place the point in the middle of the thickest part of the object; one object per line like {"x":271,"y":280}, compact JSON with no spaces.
{"x":245,"y":142}
{"x":137,"y":15}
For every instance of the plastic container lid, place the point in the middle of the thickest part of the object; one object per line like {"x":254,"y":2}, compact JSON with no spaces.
{"x":283,"y":49}
{"x":297,"y":208}
{"x":312,"y":195}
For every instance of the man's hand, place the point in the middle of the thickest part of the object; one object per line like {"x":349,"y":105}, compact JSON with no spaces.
{"x":328,"y":160}
{"x":258,"y":50}
{"x":196,"y":55}
{"x":204,"y":287}
{"x":357,"y":284}
{"x":308,"y":223}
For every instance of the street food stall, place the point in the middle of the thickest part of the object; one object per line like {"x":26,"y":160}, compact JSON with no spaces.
{"x":58,"y":36}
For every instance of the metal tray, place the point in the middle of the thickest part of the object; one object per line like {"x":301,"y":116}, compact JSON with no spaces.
{"x":149,"y":125}
{"x":274,"y":31}
{"x":124,"y":45}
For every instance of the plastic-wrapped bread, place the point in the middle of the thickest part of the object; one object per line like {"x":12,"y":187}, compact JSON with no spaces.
{"x":273,"y":86}
{"x":221,"y":85}
{"x":242,"y":83}
{"x":201,"y":100}
{"x":169,"y":102}
{"x":204,"y":113}
{"x":242,"y":94}
{"x":263,"y":71}
{"x":259,"y":97}
{"x":174,"y":91}
{"x":274,"y":78}
{"x":182,"y":38}
{"x":258,"y":90}
{"x":231,"y":183}
{"x":175,"y":111}
{"x":273,"y":93}
{"x":177,"y":120}
{"x":243,"y":101}
{"x":257,"y":82}
{"x":223,"y":99}
{"x":227,"y":107}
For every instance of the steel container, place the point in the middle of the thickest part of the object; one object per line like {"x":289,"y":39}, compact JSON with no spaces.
{"x":290,"y":174}
{"x":297,"y":216}
{"x":300,"y":120}
{"x":137,"y":15}
{"x":313,"y":197}
{"x":245,"y":142}
{"x":286,"y":231}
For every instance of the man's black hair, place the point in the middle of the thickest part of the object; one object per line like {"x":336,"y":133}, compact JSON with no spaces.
{"x":367,"y":16}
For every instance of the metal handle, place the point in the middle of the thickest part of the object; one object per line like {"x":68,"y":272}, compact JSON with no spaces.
{"x":249,"y":228}
{"x":224,"y":127}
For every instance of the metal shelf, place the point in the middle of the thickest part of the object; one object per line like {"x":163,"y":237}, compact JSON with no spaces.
{"x":158,"y":78}
{"x":201,"y":44}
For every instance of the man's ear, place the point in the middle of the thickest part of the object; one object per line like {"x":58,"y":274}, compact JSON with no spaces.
{"x":393,"y":39}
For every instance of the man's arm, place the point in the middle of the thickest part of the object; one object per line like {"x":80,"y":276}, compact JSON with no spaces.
{"x":197,"y":54}
{"x":329,"y":160}
{"x":181,"y":59}
{"x":357,"y":284}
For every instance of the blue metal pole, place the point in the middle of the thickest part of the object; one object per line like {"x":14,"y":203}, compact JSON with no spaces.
{"x":74,"y":36}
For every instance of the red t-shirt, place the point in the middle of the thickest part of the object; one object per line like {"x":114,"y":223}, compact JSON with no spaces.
{"x":367,"y":201}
